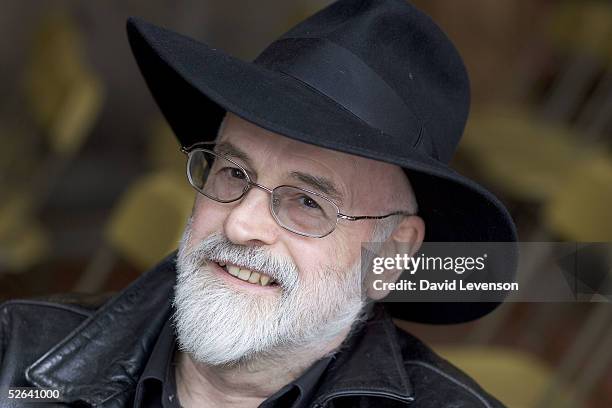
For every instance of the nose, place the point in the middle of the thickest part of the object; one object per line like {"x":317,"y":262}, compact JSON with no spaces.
{"x":250,"y":221}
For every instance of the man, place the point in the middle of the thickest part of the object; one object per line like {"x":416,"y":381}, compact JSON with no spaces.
{"x":339,"y":133}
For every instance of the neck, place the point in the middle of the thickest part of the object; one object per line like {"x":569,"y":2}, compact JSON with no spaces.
{"x":247,"y":384}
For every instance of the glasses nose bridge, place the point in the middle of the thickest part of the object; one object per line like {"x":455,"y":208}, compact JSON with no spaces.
{"x":251,"y":184}
{"x":261,"y":186}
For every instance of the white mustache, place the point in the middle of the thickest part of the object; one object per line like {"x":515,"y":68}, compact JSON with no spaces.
{"x":218,"y":248}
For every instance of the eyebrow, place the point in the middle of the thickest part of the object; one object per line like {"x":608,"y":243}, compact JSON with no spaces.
{"x":321,"y":184}
{"x":228,"y":149}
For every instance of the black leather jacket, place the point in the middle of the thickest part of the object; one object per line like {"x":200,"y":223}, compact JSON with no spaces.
{"x":95,"y":354}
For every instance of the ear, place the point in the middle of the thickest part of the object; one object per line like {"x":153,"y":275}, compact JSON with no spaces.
{"x":406,"y":239}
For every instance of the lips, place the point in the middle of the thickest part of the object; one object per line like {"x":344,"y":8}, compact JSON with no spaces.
{"x":244,"y":274}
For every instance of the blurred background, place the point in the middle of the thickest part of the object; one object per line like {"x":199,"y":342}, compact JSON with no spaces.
{"x":93,"y":192}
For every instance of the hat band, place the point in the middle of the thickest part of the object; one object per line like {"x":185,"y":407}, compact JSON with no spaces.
{"x":340,"y":75}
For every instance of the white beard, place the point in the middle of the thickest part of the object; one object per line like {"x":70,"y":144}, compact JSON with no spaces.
{"x":220,"y":325}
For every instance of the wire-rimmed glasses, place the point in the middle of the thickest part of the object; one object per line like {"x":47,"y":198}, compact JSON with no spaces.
{"x":301,"y":211}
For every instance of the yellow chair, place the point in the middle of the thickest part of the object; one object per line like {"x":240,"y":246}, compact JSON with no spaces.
{"x":581,"y":32}
{"x":523,"y":157}
{"x":23,"y":240}
{"x":62,"y":92}
{"x":148,"y":221}
{"x":516,"y":378}
{"x":145,"y":225}
{"x":582,"y":27}
{"x":581,"y":211}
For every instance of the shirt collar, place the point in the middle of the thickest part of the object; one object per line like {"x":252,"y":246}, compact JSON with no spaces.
{"x":300,"y":392}
{"x":158,"y":375}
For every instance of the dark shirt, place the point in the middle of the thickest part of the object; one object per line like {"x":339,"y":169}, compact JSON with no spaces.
{"x":156,"y":387}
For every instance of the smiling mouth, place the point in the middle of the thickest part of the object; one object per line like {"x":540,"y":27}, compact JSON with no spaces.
{"x":255,"y":278}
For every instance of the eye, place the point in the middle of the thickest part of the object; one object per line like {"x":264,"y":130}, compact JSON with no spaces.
{"x":309,"y":202}
{"x":235,"y":172}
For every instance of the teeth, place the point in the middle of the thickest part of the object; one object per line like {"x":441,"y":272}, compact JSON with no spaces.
{"x":244,"y":274}
{"x":254,"y":278}
{"x":247,"y":275}
{"x":233,"y":270}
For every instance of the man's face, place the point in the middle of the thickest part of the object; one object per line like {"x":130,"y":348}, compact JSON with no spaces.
{"x":317,"y":292}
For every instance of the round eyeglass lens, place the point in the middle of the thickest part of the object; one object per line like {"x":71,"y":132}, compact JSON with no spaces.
{"x":215,"y":176}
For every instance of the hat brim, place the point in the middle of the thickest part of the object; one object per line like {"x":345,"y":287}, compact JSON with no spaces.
{"x":194,"y":85}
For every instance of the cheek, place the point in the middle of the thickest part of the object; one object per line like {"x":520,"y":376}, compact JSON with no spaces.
{"x":308,"y":260}
{"x":207,"y":218}
{"x":337,"y":253}
{"x":348,"y":242}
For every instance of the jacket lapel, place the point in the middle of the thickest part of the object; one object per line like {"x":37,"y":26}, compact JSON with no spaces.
{"x":101,"y":360}
{"x":370,"y":364}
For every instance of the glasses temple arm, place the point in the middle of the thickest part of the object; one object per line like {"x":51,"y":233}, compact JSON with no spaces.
{"x":187,"y":149}
{"x":372,"y":217}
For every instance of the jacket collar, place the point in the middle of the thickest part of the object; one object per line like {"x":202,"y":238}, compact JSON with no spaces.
{"x":370,"y":363}
{"x":101,"y":361}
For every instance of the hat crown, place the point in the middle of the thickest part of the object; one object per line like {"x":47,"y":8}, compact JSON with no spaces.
{"x":386,"y":62}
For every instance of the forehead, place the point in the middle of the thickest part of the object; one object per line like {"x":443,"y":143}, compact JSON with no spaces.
{"x":354,"y":175}
{"x":256,"y":140}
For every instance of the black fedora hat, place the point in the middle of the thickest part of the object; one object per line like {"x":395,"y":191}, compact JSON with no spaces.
{"x":374,"y":78}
